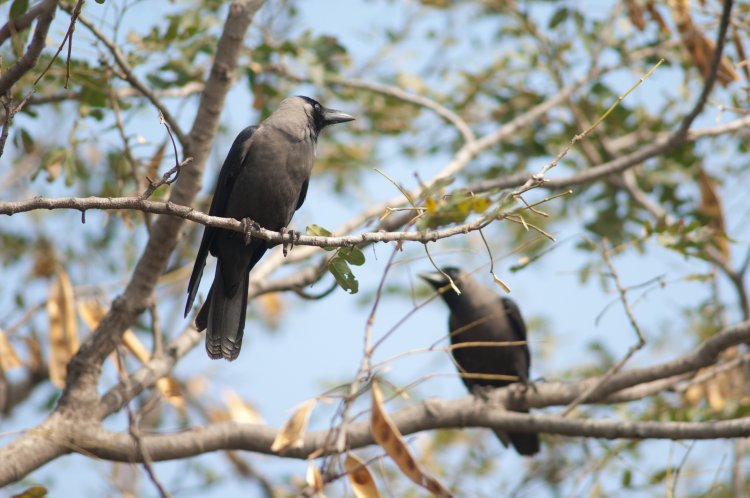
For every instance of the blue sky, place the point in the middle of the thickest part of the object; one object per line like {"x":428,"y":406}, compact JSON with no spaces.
{"x":320,"y":343}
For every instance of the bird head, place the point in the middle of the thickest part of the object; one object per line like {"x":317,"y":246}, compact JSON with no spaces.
{"x":439,"y":281}
{"x":321,"y":116}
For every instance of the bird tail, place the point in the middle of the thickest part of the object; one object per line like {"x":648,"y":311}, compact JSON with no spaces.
{"x":525,"y":443}
{"x":223,"y":317}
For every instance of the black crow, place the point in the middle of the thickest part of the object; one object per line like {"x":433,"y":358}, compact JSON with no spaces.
{"x":480,"y":315}
{"x":264,"y":178}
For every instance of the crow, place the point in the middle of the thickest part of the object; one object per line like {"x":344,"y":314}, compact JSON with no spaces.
{"x":479,"y":315}
{"x":264,"y":178}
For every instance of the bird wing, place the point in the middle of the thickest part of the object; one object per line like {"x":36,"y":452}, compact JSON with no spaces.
{"x":229,"y":171}
{"x":302,"y":194}
{"x":518,"y":326}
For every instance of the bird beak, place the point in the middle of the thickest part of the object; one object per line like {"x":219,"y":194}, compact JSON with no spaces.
{"x":332,"y":116}
{"x":436,"y":279}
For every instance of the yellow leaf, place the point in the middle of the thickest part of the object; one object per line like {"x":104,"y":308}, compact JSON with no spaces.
{"x":360,"y":478}
{"x":480,"y":204}
{"x":63,"y":333}
{"x":430,"y":205}
{"x":170,"y":389}
{"x":314,"y":479}
{"x":91,"y":313}
{"x":217,"y":415}
{"x":35,"y":491}
{"x":240,"y":410}
{"x":387,"y":435}
{"x":135,"y":346}
{"x":293,"y":433}
{"x":271,"y":308}
{"x":8,"y":357}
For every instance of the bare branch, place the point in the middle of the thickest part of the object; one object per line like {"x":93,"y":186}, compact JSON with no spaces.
{"x":395,"y":92}
{"x":30,"y":58}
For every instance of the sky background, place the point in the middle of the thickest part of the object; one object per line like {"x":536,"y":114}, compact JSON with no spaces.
{"x":319,"y":344}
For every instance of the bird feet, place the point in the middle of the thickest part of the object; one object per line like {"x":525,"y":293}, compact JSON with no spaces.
{"x":293,"y":237}
{"x":248,"y":226}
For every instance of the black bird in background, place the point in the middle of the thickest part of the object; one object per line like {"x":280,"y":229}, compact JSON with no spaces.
{"x":480,"y":315}
{"x":264,"y":178}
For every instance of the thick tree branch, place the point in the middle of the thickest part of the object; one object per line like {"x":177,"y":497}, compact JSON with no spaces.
{"x":461,"y":413}
{"x":58,"y":435}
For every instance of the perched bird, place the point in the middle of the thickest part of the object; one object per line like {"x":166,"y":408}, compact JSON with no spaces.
{"x":264,"y":178}
{"x":479,"y":315}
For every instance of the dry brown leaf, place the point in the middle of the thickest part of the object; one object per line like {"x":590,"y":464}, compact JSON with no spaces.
{"x":388,"y":436}
{"x":8,"y":357}
{"x":720,"y":388}
{"x":656,"y":16}
{"x":35,"y":360}
{"x":701,"y":48}
{"x":635,"y":13}
{"x":217,"y":415}
{"x":739,"y":47}
{"x":240,"y":410}
{"x":711,"y":207}
{"x":314,"y":479}
{"x":63,"y":328}
{"x":293,"y":432}
{"x":45,"y":261}
{"x":360,"y":478}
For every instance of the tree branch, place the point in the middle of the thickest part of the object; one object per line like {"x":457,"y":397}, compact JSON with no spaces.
{"x":21,"y":22}
{"x":29,"y":59}
{"x":469,"y":411}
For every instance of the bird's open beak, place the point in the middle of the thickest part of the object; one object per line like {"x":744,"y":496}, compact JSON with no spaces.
{"x":332,"y":116}
{"x":435,"y":278}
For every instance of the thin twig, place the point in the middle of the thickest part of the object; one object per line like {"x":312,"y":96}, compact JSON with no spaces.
{"x":631,"y":350}
{"x":135,"y":433}
{"x":129,"y":75}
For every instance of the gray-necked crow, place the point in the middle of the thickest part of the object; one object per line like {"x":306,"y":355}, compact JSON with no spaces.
{"x":480,"y":315}
{"x":264,"y":178}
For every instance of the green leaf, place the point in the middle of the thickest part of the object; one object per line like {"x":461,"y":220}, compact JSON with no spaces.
{"x":343,"y":274}
{"x":317,"y":230}
{"x":18,"y":8}
{"x":352,"y":255}
{"x":558,"y":17}
{"x":627,"y":478}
